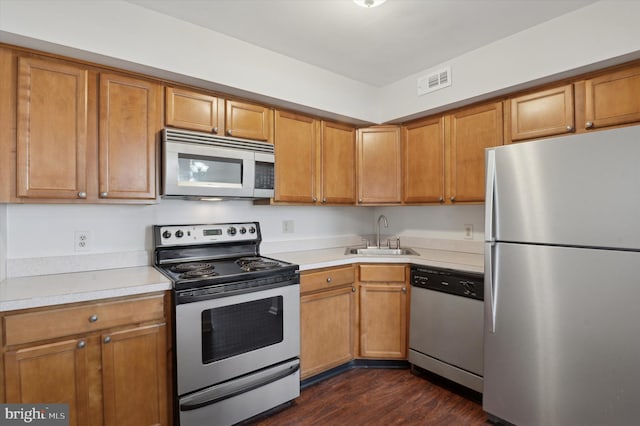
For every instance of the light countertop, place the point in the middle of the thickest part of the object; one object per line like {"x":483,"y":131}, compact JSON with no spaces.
{"x":57,"y":289}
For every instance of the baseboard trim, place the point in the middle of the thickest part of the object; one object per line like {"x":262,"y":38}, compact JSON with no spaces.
{"x":356,"y":363}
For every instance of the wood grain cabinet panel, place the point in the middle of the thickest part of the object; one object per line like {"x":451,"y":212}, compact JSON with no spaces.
{"x":471,"y":131}
{"x":613,"y":99}
{"x":193,"y":111}
{"x":52,"y":129}
{"x":107,"y":360}
{"x":423,"y":161}
{"x":250,"y":121}
{"x":296,"y":143}
{"x":337,"y":163}
{"x":379,"y":165}
{"x":540,"y":114}
{"x":129,"y":125}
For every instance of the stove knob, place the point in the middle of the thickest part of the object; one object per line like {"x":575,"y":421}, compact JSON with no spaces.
{"x":252,"y":230}
{"x":166,"y":234}
{"x":179,"y":234}
{"x":243,"y":230}
{"x":232,"y":231}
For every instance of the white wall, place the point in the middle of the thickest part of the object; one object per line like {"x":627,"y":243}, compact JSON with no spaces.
{"x":3,"y":241}
{"x":604,"y":33}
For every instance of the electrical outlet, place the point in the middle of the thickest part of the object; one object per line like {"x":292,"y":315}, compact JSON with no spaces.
{"x":468,"y":232}
{"x":288,"y":227}
{"x":82,"y":241}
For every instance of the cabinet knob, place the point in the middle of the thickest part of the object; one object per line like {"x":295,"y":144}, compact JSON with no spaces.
{"x":215,"y":130}
{"x":441,"y":199}
{"x":229,"y":132}
{"x":324,"y":201}
{"x":453,"y":199}
{"x":569,"y":128}
{"x":104,"y":194}
{"x":93,"y":318}
{"x":353,"y":289}
{"x":360,"y":200}
{"x":315,"y":200}
{"x":404,"y":289}
{"x":82,"y":194}
{"x":329,"y":279}
{"x":81,"y":344}
{"x":589,"y":124}
{"x":107,"y":339}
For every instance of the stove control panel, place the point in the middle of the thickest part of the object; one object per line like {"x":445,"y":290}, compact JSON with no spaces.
{"x":200,"y":234}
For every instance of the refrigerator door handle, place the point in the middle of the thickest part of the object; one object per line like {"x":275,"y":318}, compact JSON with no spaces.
{"x":490,"y":195}
{"x":490,"y":287}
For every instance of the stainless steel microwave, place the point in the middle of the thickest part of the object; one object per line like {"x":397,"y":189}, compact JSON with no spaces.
{"x":202,"y":166}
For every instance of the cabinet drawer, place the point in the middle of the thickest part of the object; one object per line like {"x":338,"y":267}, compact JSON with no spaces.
{"x":58,"y":322}
{"x":326,"y":278}
{"x":382,"y":273}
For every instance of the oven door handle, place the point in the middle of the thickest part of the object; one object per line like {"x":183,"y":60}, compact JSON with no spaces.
{"x":235,"y":387}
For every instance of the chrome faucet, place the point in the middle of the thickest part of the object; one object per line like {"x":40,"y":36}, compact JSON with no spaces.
{"x":386,"y":225}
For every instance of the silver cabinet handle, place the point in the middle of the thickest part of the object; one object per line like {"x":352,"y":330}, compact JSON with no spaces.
{"x":93,"y":318}
{"x":315,"y":199}
{"x":82,"y":194}
{"x":329,"y":279}
{"x":107,"y":339}
{"x":453,"y":199}
{"x":229,"y":132}
{"x":569,"y":128}
{"x":81,"y":344}
{"x":353,"y":289}
{"x":404,"y":289}
{"x":441,"y":199}
{"x":324,"y":200}
{"x":104,"y":194}
{"x":589,"y":124}
{"x":215,"y":130}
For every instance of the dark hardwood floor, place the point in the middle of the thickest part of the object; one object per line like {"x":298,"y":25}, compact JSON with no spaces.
{"x":377,"y":396}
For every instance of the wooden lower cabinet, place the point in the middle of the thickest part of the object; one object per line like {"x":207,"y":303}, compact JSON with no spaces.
{"x":108,"y":376}
{"x":383,"y":311}
{"x":327,"y":318}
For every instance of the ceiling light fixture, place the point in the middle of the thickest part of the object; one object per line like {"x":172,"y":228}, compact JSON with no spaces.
{"x":369,"y":3}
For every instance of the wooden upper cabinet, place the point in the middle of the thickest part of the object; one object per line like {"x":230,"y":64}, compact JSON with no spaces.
{"x":471,"y":131}
{"x":129,"y":125}
{"x":613,"y":99}
{"x":338,"y":163}
{"x":379,"y":165}
{"x":296,"y":142}
{"x":541,"y":114}
{"x":52,"y":116}
{"x":423,"y":161}
{"x":193,"y":111}
{"x":244,"y":120}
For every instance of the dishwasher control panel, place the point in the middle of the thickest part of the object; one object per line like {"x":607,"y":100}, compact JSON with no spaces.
{"x":465,"y":284}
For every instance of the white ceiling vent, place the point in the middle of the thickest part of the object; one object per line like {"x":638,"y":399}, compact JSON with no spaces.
{"x":434,"y":81}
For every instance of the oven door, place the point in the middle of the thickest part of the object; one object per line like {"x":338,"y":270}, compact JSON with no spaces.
{"x":223,"y":338}
{"x":200,"y":170}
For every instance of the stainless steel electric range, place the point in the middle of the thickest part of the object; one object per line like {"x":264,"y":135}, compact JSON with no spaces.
{"x":237,"y":322}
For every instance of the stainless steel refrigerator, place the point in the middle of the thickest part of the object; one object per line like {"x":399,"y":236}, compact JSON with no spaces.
{"x":562,"y":281}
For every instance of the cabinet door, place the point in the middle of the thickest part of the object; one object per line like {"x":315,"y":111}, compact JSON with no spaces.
{"x":423,"y":161}
{"x":129,"y":125}
{"x":249,"y":121}
{"x":327,"y":330}
{"x":134,"y":376}
{"x":338,"y":164}
{"x":541,"y":114}
{"x":192,"y":111}
{"x":471,"y":131}
{"x":379,"y":165}
{"x":613,"y":99}
{"x":383,"y":320}
{"x":50,"y":373}
{"x":296,"y":143}
{"x":52,"y":129}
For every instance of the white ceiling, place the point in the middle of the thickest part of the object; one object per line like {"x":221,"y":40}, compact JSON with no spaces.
{"x":376,"y":46}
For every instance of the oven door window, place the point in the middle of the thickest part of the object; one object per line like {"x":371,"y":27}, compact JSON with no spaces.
{"x":232,"y":330}
{"x":209,"y":171}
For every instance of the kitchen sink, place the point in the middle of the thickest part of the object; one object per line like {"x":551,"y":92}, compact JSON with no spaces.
{"x":382,"y":251}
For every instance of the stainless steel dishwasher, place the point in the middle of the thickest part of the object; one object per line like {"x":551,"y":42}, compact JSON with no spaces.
{"x":446,"y":325}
